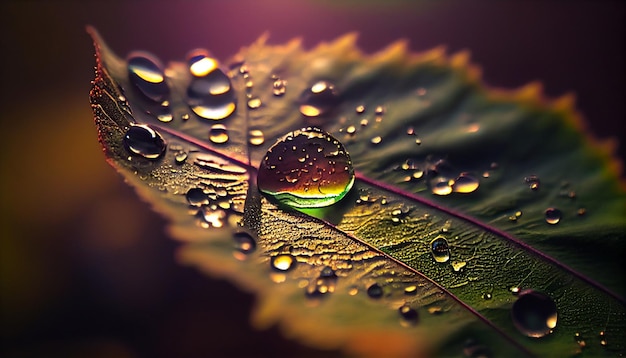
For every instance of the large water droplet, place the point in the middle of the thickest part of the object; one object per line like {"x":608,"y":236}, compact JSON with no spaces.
{"x":465,"y":183}
{"x":375,"y":291}
{"x":441,"y":186}
{"x":212,"y":96}
{"x":197,"y":197}
{"x":553,"y":216}
{"x":323,"y":178}
{"x":146,"y":72}
{"x":200,"y":63}
{"x":283,"y":262}
{"x":218,"y":134}
{"x":144,"y":141}
{"x":319,"y":99}
{"x":440,"y":249}
{"x":534,"y":314}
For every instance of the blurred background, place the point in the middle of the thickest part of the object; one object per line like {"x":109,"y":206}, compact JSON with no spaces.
{"x":85,"y":267}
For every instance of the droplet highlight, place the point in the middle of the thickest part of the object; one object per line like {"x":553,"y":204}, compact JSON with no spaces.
{"x":218,"y":134}
{"x":319,"y":99}
{"x":307,"y":168}
{"x":534,"y":314}
{"x":146,"y":72}
{"x":465,"y":183}
{"x":533,"y":182}
{"x":283,"y":262}
{"x":553,"y":216}
{"x":211,"y":96}
{"x":144,"y":141}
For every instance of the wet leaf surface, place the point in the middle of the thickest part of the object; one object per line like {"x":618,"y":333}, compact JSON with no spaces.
{"x":465,"y":209}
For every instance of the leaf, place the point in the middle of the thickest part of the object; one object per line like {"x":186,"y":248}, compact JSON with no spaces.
{"x":361,"y":274}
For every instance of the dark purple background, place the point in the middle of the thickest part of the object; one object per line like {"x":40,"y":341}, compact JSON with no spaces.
{"x":86,"y":268}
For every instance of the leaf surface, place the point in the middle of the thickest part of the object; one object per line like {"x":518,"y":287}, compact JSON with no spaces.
{"x":361,"y":274}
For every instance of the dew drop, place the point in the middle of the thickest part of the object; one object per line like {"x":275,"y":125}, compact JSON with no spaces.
{"x":353,"y":290}
{"x":283,"y":262}
{"x":534,"y":314}
{"x":409,"y":315}
{"x":360,"y":109}
{"x":364,"y":122}
{"x":254,"y":103}
{"x":465,"y":183}
{"x":212,"y":96}
{"x":379,"y":110}
{"x":256,"y":137}
{"x":376,"y":140}
{"x":218,"y":134}
{"x":553,"y":216}
{"x":410,"y":290}
{"x":351,"y":129}
{"x":244,"y":244}
{"x":440,"y":249}
{"x":197,"y":197}
{"x":375,"y":291}
{"x":457,"y":266}
{"x":533,"y":182}
{"x":146,"y":72}
{"x":180,"y":156}
{"x":323,"y":284}
{"x":144,"y":141}
{"x":318,"y":100}
{"x":200,"y":63}
{"x":279,"y":87}
{"x":487,"y":296}
{"x":322,"y":180}
{"x":514,"y":290}
{"x":441,"y":186}
{"x":185,"y":116}
{"x":211,"y":217}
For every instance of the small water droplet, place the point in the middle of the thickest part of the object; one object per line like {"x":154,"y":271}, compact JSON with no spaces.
{"x":364,"y":122}
{"x":256,"y":137}
{"x":435,"y":310}
{"x":279,"y":87}
{"x":212,"y":96}
{"x":379,"y":110}
{"x":440,"y":249}
{"x":410,"y":290}
{"x":197,"y":197}
{"x":180,"y":156}
{"x":375,"y":291}
{"x":534,"y":314}
{"x":254,"y":103}
{"x":465,"y":183}
{"x":283,"y":262}
{"x":201,"y":63}
{"x":360,"y":109}
{"x":487,"y":296}
{"x":533,"y":182}
{"x":319,"y":99}
{"x":353,"y":291}
{"x":245,"y":244}
{"x":146,"y":72}
{"x":185,"y":116}
{"x":377,"y":140}
{"x":211,"y":217}
{"x":351,"y":129}
{"x":514,"y":290}
{"x":553,"y":216}
{"x":322,"y":180}
{"x":218,"y":134}
{"x":409,"y":315}
{"x":581,"y":211}
{"x":144,"y":141}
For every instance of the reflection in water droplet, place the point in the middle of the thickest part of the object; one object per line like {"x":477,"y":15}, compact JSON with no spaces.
{"x":532,"y":181}
{"x":212,"y":96}
{"x":144,"y":141}
{"x":197,"y":197}
{"x":256,"y":137}
{"x":465,"y":183}
{"x":351,"y":129}
{"x":553,"y":216}
{"x":146,"y":73}
{"x":200,"y":63}
{"x":409,"y":315}
{"x":441,"y":186}
{"x":360,"y":109}
{"x":185,"y":116}
{"x":439,"y":249}
{"x":211,"y":217}
{"x":283,"y":262}
{"x":376,"y":140}
{"x":534,"y":314}
{"x":218,"y":134}
{"x":353,"y":291}
{"x":323,"y":178}
{"x":244,"y":245}
{"x":375,"y":291}
{"x":254,"y":103}
{"x":318,"y":100}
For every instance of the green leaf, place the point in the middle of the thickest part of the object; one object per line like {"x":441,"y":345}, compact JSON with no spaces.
{"x":437,"y":156}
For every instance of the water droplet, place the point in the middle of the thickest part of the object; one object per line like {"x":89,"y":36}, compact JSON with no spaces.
{"x":553,"y":216}
{"x":211,"y":96}
{"x":377,"y":140}
{"x":244,"y":244}
{"x":410,"y":290}
{"x":279,"y":87}
{"x":146,"y":72}
{"x":441,"y":186}
{"x":465,"y":183}
{"x":487,"y":296}
{"x":514,"y":290}
{"x":218,"y":134}
{"x":197,"y":197}
{"x":534,"y":314}
{"x":211,"y":217}
{"x":440,"y":249}
{"x":364,"y":122}
{"x":200,"y":63}
{"x":318,"y":100}
{"x":581,"y":211}
{"x":533,"y":182}
{"x":283,"y":262}
{"x":185,"y":116}
{"x":180,"y":156}
{"x":457,"y":266}
{"x":254,"y":103}
{"x":322,"y":180}
{"x":144,"y":141}
{"x":409,"y":315}
{"x":323,"y":284}
{"x":379,"y":110}
{"x":351,"y":129}
{"x":375,"y":291}
{"x":256,"y":137}
{"x":360,"y":109}
{"x":353,"y":291}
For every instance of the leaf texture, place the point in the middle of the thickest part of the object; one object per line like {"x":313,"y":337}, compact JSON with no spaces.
{"x":361,"y":274}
